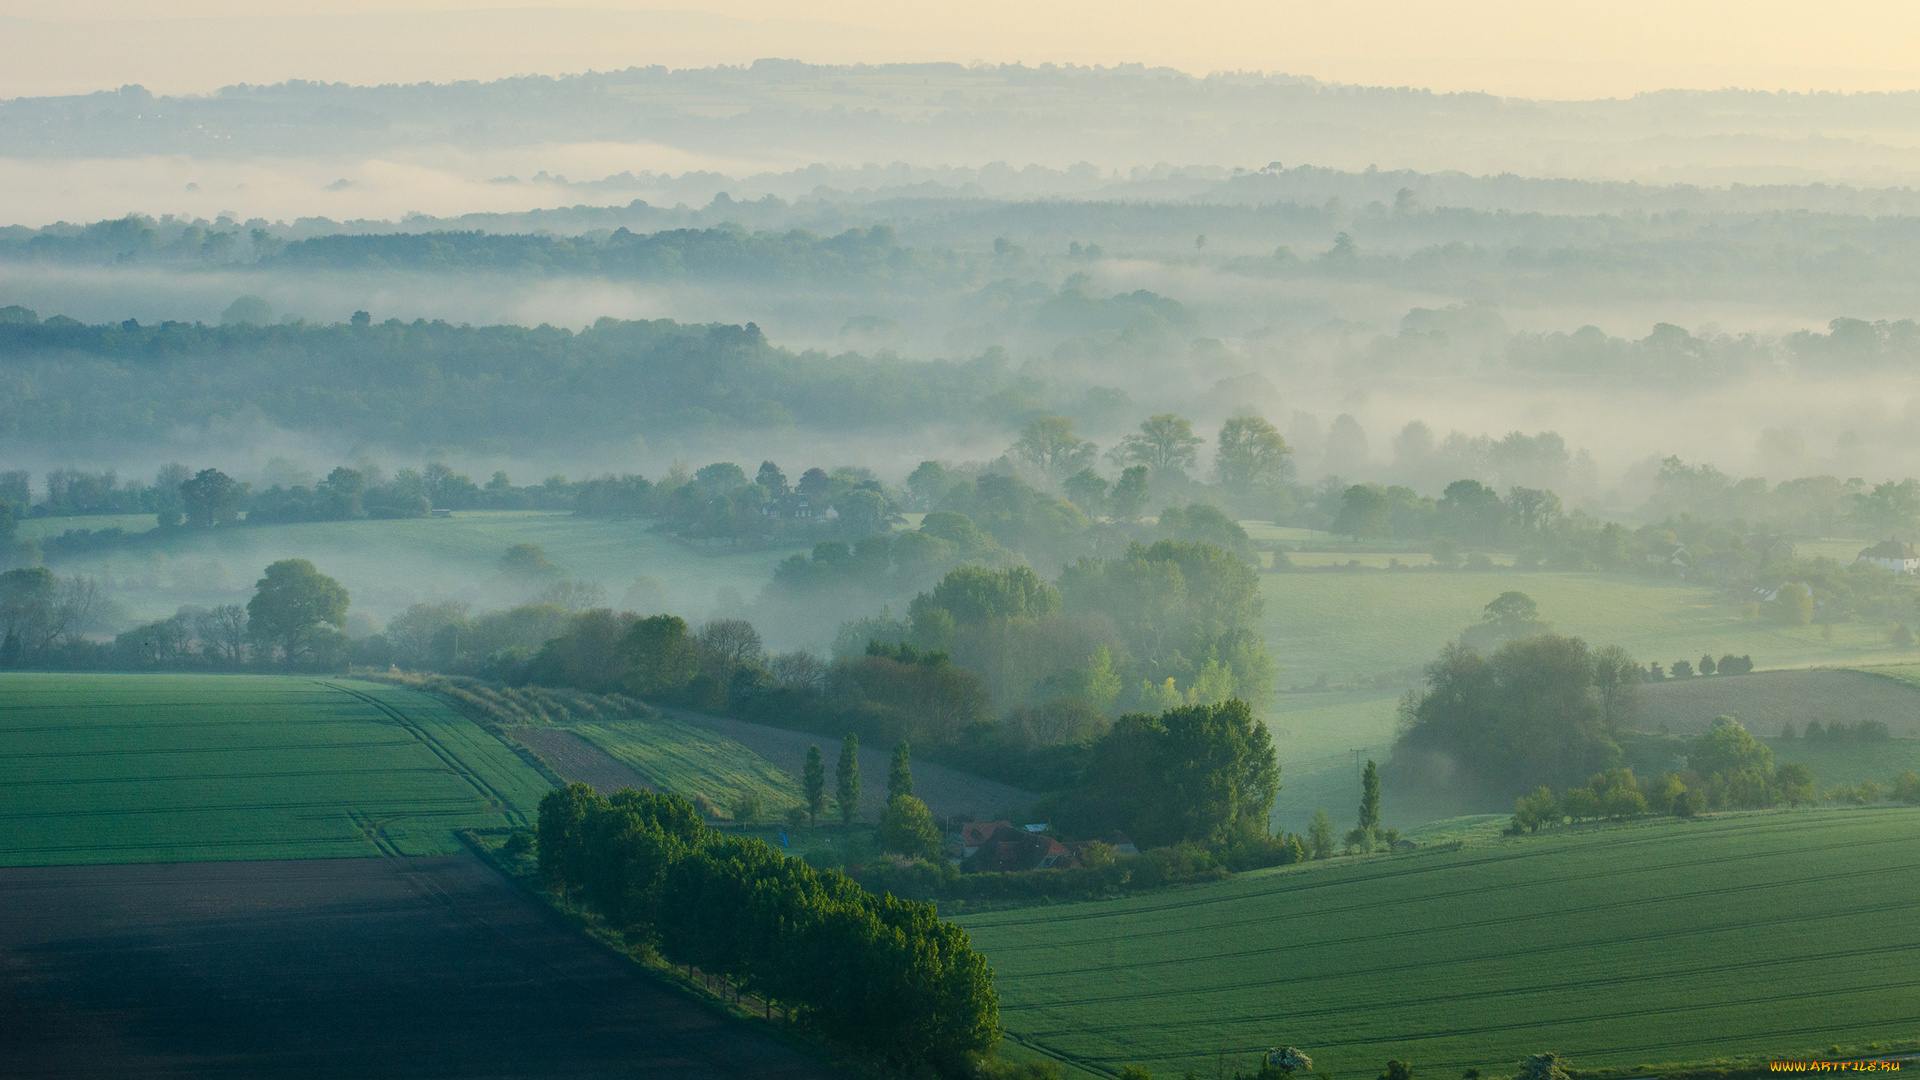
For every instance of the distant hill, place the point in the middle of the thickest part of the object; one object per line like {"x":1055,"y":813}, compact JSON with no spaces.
{"x":1764,"y":701}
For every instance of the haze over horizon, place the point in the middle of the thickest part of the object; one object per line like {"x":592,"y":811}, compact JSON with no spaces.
{"x":1568,"y":52}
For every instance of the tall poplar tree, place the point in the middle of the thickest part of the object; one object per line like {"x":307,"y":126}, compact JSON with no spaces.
{"x":815,"y":779}
{"x":847,"y":778}
{"x":899,"y":772}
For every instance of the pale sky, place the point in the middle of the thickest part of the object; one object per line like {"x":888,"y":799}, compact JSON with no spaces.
{"x":1570,"y":48}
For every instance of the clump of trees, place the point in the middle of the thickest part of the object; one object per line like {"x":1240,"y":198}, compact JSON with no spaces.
{"x":878,"y":974}
{"x":1726,"y":769}
{"x":1540,"y":710}
{"x":296,"y":619}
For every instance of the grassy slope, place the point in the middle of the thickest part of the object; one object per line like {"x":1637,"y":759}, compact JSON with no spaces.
{"x":1350,"y":625}
{"x":676,"y":756}
{"x":1765,"y":700}
{"x":1662,"y":941}
{"x":162,"y":768}
{"x":387,"y":565}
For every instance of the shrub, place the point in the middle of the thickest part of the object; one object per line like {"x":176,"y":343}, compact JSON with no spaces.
{"x":1906,"y":788}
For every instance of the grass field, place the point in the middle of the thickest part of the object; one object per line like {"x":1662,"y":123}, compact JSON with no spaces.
{"x":676,"y":756}
{"x":1766,"y":700}
{"x":165,"y":768}
{"x":388,"y":565}
{"x":1645,"y":943}
{"x":1354,"y":625}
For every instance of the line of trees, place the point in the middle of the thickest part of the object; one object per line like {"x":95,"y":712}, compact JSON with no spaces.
{"x":879,"y":974}
{"x":295,"y":619}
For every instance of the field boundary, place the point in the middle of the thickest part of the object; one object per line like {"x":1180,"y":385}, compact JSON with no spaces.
{"x":657,"y":970}
{"x":447,"y":757}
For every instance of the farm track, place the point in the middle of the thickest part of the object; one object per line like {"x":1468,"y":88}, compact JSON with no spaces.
{"x":451,"y":760}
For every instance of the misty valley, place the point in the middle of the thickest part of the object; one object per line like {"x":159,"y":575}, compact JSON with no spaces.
{"x":931,"y":587}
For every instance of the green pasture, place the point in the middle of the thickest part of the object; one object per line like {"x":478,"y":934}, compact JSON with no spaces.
{"x":1619,"y":946}
{"x":175,"y":768}
{"x":1314,"y":739}
{"x":676,"y":756}
{"x":1351,"y":626}
{"x":388,"y":565}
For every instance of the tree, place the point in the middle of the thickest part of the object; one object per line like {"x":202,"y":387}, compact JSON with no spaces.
{"x":1890,"y":507}
{"x":210,"y":498}
{"x":1792,"y":605}
{"x":1706,"y":664}
{"x":1198,"y":773}
{"x":27,"y":617}
{"x":1250,"y":455}
{"x":1522,"y":717}
{"x":1165,"y":443}
{"x":1617,"y":677}
{"x":1129,"y":496}
{"x":899,"y":772}
{"x":1532,"y":508}
{"x":1535,"y":809}
{"x":1370,"y":797}
{"x":1087,"y":490}
{"x":733,"y":642}
{"x":1320,"y":834}
{"x":1397,"y":1070}
{"x":1472,"y":513}
{"x":292,"y":605}
{"x":814,"y":779}
{"x":847,"y":778}
{"x":907,"y":827}
{"x":1727,"y":748}
{"x":1051,"y":449}
{"x":223,"y":633}
{"x":1364,"y":512}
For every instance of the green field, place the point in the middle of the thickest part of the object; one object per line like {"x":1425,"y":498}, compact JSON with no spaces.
{"x":171,"y":768}
{"x":678,"y":757}
{"x":1355,"y":625}
{"x":1652,"y":942}
{"x":388,"y":565}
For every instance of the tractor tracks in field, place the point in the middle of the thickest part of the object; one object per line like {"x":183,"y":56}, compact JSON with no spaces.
{"x":493,"y":796}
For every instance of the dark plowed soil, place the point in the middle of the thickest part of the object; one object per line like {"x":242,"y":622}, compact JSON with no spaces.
{"x":1765,"y":700}
{"x":333,"y":968}
{"x":577,"y":759}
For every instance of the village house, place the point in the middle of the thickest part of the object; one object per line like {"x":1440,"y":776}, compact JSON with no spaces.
{"x":1891,"y":554}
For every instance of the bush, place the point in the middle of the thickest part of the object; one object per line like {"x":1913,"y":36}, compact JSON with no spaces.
{"x":1906,"y":788}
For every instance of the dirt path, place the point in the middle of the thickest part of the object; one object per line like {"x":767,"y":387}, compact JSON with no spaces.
{"x":574,"y":758}
{"x":416,"y":968}
{"x":947,"y":792}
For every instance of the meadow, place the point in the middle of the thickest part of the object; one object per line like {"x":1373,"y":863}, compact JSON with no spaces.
{"x":388,"y":565}
{"x":1619,"y":946}
{"x":1353,"y":626}
{"x":169,"y":768}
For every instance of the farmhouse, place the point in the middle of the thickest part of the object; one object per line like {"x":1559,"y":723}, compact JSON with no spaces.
{"x":1009,"y":848}
{"x":1673,"y":555}
{"x":1891,"y":554}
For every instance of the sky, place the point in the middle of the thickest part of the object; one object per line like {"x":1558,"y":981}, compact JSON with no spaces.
{"x":1562,"y":49}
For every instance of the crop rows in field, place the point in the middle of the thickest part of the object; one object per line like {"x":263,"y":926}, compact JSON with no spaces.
{"x":1665,"y":941}
{"x":149,"y":768}
{"x":676,"y":756}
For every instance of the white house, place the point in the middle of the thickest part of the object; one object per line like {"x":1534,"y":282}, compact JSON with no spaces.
{"x":1891,"y":554}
